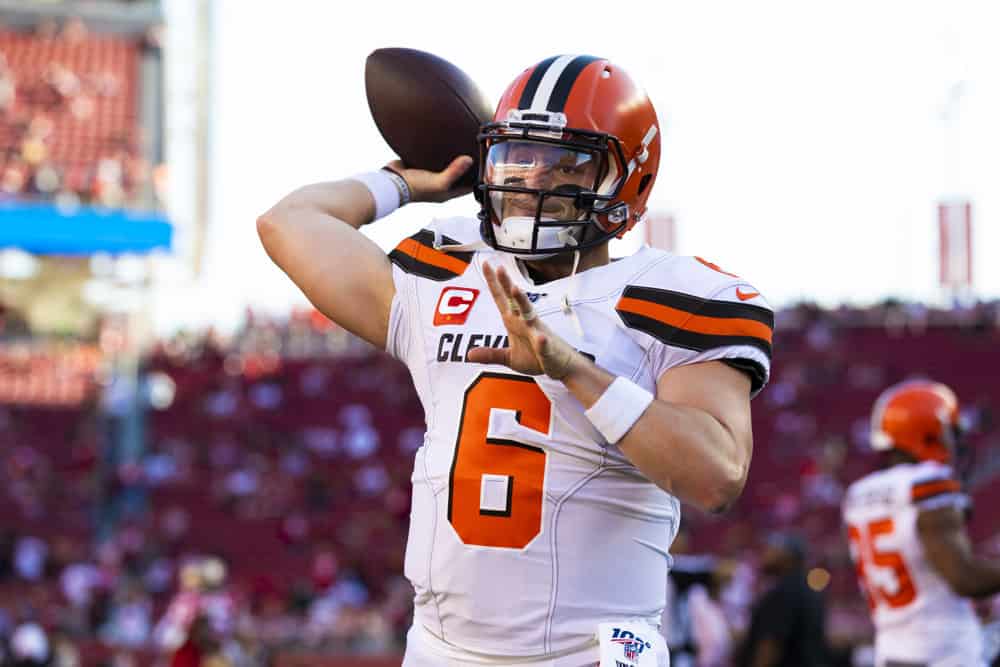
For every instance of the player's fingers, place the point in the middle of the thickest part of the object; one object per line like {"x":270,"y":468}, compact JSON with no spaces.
{"x":513,"y":306}
{"x":489,"y":355}
{"x":454,"y":170}
{"x":491,"y":281}
{"x":506,"y":284}
{"x":524,"y":304}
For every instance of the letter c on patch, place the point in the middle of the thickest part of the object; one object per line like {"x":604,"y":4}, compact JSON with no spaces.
{"x":454,"y":305}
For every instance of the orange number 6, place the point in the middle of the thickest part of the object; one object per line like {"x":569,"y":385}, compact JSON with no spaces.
{"x":484,"y":468}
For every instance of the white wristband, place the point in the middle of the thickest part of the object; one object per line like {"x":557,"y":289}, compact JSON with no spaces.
{"x":401,"y":185}
{"x":384,"y":191}
{"x":618,"y":408}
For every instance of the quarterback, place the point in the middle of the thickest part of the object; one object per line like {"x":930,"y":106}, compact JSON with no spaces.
{"x":572,"y":402}
{"x":906,"y":525}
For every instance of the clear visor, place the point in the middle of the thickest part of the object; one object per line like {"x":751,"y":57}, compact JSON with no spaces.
{"x":540,"y":180}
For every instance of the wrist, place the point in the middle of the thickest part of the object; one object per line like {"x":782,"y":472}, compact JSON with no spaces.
{"x":570,"y":368}
{"x":618,"y":408}
{"x":402,"y":186}
{"x":388,"y":190}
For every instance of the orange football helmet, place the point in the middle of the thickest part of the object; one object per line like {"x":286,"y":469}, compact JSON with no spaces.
{"x":569,"y":159}
{"x":918,"y":417}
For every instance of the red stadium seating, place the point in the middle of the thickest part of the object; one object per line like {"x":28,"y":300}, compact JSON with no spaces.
{"x":260,"y":474}
{"x":68,"y":116}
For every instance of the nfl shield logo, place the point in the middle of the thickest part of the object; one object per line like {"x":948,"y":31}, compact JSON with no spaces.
{"x":629,"y":649}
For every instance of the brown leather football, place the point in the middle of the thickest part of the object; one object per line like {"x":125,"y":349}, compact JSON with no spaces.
{"x":427,"y":109}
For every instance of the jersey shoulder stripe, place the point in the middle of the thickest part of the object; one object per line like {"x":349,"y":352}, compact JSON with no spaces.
{"x":417,"y":255}
{"x":932,"y":488}
{"x":695,"y":323}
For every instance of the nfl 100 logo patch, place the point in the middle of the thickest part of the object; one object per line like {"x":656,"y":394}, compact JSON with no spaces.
{"x":631,"y":645}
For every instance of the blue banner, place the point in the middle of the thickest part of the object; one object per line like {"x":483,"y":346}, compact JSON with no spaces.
{"x":44,"y":229}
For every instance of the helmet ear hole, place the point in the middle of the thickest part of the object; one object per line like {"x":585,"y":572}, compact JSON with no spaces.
{"x":644,"y":182}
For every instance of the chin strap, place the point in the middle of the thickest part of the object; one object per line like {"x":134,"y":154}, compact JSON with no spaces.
{"x":567,"y":307}
{"x":457,"y":247}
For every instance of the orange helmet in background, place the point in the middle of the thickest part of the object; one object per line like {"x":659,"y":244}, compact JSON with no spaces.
{"x":919,"y":418}
{"x":575,"y":111}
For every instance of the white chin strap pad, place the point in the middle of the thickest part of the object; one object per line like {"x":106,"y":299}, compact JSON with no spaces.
{"x":516,"y":232}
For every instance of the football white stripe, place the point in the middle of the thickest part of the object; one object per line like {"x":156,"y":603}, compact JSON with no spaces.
{"x":548,"y":82}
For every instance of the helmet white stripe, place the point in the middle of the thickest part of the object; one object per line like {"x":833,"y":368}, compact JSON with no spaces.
{"x":650,"y":135}
{"x":548,"y":83}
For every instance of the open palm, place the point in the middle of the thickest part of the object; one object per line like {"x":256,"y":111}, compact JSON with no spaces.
{"x":533,"y":348}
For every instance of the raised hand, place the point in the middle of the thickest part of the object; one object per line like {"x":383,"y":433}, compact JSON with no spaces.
{"x":533,"y":348}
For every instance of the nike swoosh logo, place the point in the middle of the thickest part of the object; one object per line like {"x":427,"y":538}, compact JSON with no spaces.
{"x":743,"y":296}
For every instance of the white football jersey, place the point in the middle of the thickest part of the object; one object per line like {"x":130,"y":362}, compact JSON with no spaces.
{"x":917,"y":617}
{"x":527,"y":530}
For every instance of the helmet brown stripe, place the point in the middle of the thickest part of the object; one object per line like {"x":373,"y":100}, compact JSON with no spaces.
{"x":531,"y":87}
{"x":560,"y":93}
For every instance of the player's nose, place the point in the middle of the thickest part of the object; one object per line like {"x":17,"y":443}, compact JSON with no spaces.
{"x":539,"y":178}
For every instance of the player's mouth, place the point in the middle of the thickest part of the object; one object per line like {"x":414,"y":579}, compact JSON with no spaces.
{"x":553,"y":207}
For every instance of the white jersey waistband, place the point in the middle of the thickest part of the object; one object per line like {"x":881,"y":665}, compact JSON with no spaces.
{"x":420,"y":641}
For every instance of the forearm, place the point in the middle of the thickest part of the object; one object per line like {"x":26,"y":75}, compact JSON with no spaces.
{"x":948,"y":549}
{"x":347,"y":201}
{"x":312,"y":235}
{"x":683,"y":450}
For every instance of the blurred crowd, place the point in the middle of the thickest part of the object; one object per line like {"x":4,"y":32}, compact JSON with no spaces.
{"x":245,"y":494}
{"x":69,"y":125}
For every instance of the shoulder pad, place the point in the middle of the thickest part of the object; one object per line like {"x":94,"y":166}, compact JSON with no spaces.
{"x":696,"y":322}
{"x":933,"y":481}
{"x":690,"y":303}
{"x":418,"y":255}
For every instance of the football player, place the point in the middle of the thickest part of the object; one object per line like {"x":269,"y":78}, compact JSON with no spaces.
{"x":571,"y":402}
{"x":906,"y":526}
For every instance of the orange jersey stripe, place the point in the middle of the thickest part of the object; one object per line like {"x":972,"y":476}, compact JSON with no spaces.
{"x":935,"y":487}
{"x":680,"y":319}
{"x":422,"y":253}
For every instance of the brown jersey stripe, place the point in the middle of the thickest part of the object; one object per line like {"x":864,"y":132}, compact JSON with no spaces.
{"x":427,"y":255}
{"x":678,"y":337}
{"x":701,"y":306}
{"x":411,"y":265}
{"x":935,"y":487}
{"x":698,"y":324}
{"x":417,"y":255}
{"x":426,"y":237}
